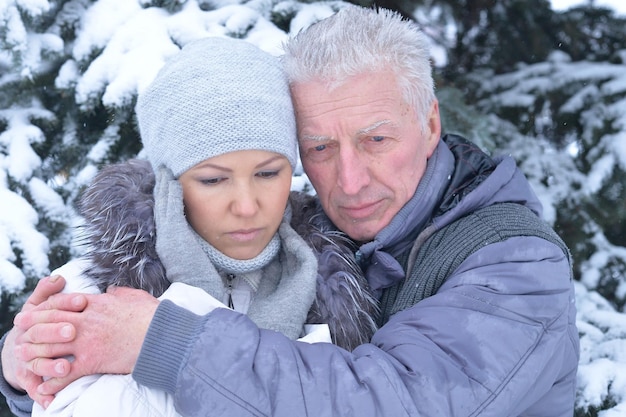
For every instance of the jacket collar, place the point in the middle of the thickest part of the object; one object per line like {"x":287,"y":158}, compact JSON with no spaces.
{"x":456,"y":169}
{"x":377,"y":257}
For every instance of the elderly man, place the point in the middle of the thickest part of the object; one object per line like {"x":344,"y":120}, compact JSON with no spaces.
{"x":477,"y":312}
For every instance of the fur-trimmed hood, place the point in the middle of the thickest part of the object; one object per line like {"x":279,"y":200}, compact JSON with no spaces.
{"x":120,"y":234}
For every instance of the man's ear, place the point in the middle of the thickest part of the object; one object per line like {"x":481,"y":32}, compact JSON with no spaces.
{"x":433,"y":125}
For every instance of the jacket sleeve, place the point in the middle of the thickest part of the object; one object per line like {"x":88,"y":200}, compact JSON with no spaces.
{"x":491,"y":342}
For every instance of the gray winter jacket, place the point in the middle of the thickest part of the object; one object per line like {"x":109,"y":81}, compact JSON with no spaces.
{"x":498,"y":338}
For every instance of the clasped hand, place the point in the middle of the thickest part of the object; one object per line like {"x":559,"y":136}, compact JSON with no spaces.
{"x":101,"y":333}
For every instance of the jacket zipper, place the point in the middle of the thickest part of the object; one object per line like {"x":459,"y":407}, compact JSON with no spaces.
{"x":229,"y":288}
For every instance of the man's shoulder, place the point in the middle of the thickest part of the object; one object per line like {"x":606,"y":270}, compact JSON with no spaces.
{"x":484,"y":226}
{"x":434,"y":259}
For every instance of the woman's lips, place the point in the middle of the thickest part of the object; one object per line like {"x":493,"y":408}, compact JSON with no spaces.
{"x":246,"y":235}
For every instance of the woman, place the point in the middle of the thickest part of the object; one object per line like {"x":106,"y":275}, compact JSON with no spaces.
{"x":218,"y":130}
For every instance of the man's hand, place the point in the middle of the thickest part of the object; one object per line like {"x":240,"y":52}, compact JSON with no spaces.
{"x":27,"y":375}
{"x":106,"y":335}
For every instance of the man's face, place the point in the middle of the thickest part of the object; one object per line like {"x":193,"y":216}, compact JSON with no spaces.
{"x":362,"y":147}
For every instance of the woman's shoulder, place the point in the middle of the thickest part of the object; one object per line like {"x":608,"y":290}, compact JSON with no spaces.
{"x":76,"y":279}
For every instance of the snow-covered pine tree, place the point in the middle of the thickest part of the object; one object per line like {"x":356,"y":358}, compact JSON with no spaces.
{"x":580,"y":108}
{"x":569,"y":135}
{"x":70,"y":71}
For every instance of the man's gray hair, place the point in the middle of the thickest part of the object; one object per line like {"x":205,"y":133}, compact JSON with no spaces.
{"x":358,"y":40}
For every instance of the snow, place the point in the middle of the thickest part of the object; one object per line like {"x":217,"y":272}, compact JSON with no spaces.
{"x":135,"y":42}
{"x":600,"y":171}
{"x":309,"y":14}
{"x":588,"y":81}
{"x":107,"y":16}
{"x":18,"y":220}
{"x":21,"y":160}
{"x":602,"y":365}
{"x":618,"y":143}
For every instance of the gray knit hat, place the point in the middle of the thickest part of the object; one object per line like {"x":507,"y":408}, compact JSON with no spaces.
{"x":215,"y":96}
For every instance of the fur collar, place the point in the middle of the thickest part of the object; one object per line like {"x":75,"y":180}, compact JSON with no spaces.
{"x":120,"y":235}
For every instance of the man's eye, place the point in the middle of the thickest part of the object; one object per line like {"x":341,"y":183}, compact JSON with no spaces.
{"x":320,"y":152}
{"x":378,"y":138}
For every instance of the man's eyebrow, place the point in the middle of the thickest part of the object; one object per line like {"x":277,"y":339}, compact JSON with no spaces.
{"x":373,"y":126}
{"x":315,"y":138}
{"x":362,"y":131}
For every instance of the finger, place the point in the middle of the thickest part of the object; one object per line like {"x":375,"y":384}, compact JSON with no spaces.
{"x":43,"y":400}
{"x":30,"y":382}
{"x":38,"y":315}
{"x":47,"y":332}
{"x":45,"y":288}
{"x":49,"y":368}
{"x":52,"y":386}
{"x":26,"y":353}
{"x":75,"y":302}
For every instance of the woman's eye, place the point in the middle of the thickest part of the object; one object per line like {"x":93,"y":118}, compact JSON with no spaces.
{"x":210,"y":181}
{"x":267,"y":174}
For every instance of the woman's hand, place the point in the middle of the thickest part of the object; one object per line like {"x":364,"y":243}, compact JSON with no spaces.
{"x":26,"y":373}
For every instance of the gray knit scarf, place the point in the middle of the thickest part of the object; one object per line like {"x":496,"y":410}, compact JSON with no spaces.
{"x":377,"y":257}
{"x":238,"y":266}
{"x":287,"y":287}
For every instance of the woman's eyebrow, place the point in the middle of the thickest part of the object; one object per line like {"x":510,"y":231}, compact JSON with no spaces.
{"x":269,"y":161}
{"x":211,"y":165}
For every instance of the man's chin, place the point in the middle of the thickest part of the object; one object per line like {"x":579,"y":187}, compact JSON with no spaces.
{"x":359,"y":230}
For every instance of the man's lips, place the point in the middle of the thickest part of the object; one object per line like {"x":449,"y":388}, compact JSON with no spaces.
{"x":361,"y":211}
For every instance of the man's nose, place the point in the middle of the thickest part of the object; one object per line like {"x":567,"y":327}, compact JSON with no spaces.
{"x":353,"y":171}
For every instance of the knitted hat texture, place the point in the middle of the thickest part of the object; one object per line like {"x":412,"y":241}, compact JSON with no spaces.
{"x":217,"y":95}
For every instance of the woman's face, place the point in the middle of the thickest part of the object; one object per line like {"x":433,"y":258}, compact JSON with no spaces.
{"x":236,"y":201}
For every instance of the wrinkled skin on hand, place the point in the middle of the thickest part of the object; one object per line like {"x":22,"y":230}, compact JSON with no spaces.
{"x":103,"y":332}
